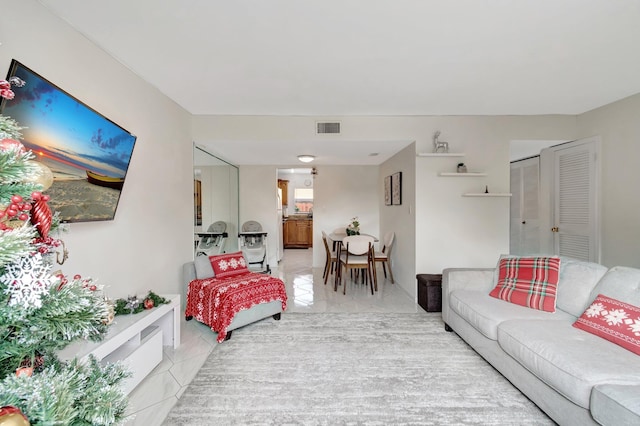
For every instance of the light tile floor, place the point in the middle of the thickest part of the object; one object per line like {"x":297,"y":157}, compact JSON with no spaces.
{"x":153,"y":398}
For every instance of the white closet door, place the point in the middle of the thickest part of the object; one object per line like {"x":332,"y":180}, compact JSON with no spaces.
{"x":525,"y":210}
{"x":515,"y":222}
{"x":575,"y":200}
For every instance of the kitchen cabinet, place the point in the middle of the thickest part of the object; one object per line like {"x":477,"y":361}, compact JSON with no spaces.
{"x":284,"y":186}
{"x":298,"y":233}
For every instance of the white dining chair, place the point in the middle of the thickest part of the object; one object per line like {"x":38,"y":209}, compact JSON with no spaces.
{"x":356,"y":252}
{"x":384,"y":256}
{"x":331,"y":261}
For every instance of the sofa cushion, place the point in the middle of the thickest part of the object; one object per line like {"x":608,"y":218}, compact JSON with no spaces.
{"x":485,"y":313}
{"x":615,"y":321}
{"x":616,"y":404}
{"x":528,"y":281}
{"x":229,"y":264}
{"x":203,"y":267}
{"x":567,"y":359}
{"x":621,"y":283}
{"x":577,"y":279}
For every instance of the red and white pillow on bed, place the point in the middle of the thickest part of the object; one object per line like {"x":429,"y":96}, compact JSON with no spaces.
{"x":229,"y":264}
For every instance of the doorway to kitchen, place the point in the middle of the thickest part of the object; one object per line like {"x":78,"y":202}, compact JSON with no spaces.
{"x":295,"y":209}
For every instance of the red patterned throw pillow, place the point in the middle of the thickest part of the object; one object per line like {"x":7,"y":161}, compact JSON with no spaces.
{"x":615,"y":321}
{"x":228,"y":265}
{"x":528,"y":281}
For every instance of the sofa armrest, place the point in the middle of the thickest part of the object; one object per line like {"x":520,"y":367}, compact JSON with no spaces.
{"x":476,"y":279}
{"x":188,"y":273}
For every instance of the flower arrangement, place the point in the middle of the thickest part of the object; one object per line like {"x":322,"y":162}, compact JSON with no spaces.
{"x":354,"y":227}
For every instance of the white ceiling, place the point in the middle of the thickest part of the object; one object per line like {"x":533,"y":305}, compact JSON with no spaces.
{"x":372,"y":57}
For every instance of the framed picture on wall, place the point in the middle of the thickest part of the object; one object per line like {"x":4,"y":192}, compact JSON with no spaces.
{"x":197,"y":202}
{"x":387,"y":190}
{"x":396,"y":189}
{"x":87,"y":153}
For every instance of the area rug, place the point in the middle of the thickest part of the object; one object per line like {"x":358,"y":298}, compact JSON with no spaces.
{"x":350,"y":369}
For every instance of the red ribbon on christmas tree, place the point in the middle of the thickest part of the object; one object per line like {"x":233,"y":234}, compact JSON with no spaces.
{"x":41,"y":215}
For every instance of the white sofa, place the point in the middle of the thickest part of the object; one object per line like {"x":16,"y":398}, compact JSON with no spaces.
{"x":575,"y":377}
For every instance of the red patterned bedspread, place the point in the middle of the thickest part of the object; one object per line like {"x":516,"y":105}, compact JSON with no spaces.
{"x":216,"y":301}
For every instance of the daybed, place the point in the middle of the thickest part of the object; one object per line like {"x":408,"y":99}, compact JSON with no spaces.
{"x":575,"y":376}
{"x":230,"y":296}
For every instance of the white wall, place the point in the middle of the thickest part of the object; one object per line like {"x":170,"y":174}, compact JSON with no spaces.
{"x":619,"y":127}
{"x":341,"y":193}
{"x":151,"y":236}
{"x":401,"y":219}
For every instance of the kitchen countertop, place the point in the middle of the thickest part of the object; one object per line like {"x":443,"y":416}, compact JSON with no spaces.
{"x":298,"y":217}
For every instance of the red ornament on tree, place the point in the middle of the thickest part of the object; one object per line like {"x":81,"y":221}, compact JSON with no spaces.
{"x":41,"y":216}
{"x":23,"y":371}
{"x":12,"y":416}
{"x":148,"y":303}
{"x":7,"y":144}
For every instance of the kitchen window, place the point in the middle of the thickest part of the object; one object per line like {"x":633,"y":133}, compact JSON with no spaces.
{"x":303,"y":202}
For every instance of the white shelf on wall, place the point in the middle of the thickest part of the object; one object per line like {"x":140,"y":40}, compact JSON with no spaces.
{"x":440,"y":154}
{"x":490,"y":194}
{"x":467,"y":174}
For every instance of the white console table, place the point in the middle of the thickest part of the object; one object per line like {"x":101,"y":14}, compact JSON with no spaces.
{"x":137,"y":340}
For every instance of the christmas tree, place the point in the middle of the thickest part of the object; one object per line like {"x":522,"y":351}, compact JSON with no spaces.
{"x":42,"y":311}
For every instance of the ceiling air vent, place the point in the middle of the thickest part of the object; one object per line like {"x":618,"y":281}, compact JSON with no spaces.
{"x":328,"y":128}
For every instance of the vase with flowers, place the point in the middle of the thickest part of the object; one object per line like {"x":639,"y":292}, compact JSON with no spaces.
{"x":354,"y":227}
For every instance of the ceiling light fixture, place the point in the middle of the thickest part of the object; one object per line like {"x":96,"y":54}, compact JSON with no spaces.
{"x":305,"y":158}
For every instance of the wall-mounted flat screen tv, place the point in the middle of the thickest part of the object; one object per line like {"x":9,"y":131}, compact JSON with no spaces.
{"x":88,"y":154}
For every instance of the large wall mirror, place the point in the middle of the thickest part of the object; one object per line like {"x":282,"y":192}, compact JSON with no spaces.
{"x":216,"y":201}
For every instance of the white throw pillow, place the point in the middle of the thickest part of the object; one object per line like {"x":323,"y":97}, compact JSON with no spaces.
{"x":203,"y":267}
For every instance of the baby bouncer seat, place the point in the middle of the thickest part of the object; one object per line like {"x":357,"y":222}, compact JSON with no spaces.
{"x":253,"y":242}
{"x":212,"y":242}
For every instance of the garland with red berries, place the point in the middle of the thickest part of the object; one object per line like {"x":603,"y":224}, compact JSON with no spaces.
{"x":133,"y":305}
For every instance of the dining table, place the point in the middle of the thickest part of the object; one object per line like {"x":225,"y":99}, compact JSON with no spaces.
{"x":338,"y":237}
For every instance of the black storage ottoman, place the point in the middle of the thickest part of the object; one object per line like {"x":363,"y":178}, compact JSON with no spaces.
{"x":430,"y":292}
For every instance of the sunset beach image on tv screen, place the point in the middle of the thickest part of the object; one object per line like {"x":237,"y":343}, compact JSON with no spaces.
{"x":87,"y":153}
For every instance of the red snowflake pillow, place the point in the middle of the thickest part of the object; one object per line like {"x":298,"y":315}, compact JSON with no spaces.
{"x":528,"y":281}
{"x":616,"y":321}
{"x":229,"y":264}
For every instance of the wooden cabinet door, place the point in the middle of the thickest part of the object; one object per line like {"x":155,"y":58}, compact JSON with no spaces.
{"x":302,"y":233}
{"x":290,"y":233}
{"x":298,"y":233}
{"x":284,"y":186}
